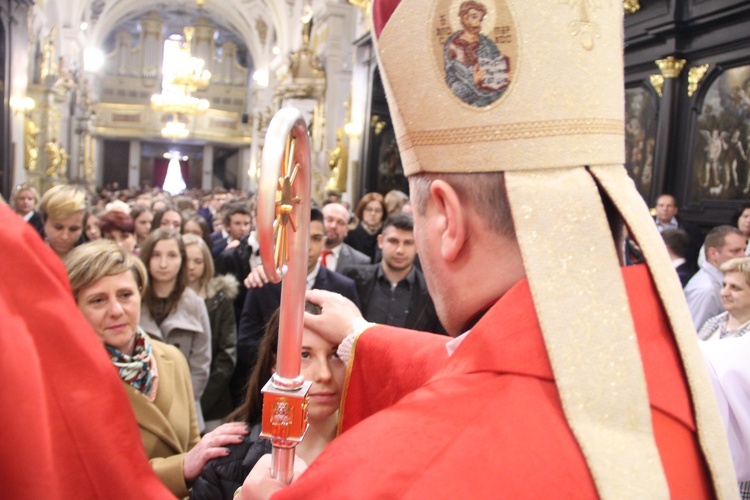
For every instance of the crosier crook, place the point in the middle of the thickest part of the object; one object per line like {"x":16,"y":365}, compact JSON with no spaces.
{"x":283,"y":234}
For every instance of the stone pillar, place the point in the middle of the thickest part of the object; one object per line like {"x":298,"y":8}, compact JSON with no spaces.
{"x":208,"y":167}
{"x":243,"y":168}
{"x":134,"y":164}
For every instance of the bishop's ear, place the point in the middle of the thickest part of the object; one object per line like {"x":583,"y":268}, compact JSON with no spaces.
{"x":450,"y":219}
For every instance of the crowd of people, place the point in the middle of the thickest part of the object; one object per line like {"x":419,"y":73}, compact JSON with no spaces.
{"x":159,"y":277}
{"x":145,"y":274}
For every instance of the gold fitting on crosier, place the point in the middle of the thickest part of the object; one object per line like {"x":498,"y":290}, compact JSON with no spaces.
{"x":695,"y":75}
{"x":670,"y":67}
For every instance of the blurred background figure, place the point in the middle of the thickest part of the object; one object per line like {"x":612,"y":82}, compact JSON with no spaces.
{"x":677,"y":242}
{"x":218,"y":293}
{"x":168,"y":218}
{"x":371,"y":212}
{"x":107,"y":284}
{"x":321,"y":365}
{"x":24,"y":200}
{"x":197,"y":225}
{"x":62,"y":209}
{"x":142,"y":219}
{"x":395,"y":201}
{"x":119,"y":227}
{"x":91,"y":229}
{"x":741,"y":219}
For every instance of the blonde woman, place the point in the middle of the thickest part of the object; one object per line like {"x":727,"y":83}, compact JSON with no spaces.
{"x":24,"y":200}
{"x":219,"y":293}
{"x":62,"y":209}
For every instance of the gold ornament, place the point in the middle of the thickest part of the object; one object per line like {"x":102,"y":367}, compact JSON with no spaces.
{"x":657,"y":81}
{"x":695,"y":75}
{"x":670,"y":67}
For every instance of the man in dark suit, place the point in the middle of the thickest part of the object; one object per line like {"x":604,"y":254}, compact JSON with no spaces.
{"x":337,"y":255}
{"x":393,"y":291}
{"x":262,"y":302}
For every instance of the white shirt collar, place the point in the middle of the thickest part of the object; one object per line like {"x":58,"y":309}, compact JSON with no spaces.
{"x":311,"y":277}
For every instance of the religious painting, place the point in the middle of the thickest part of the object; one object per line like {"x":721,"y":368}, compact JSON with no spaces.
{"x":475,"y":43}
{"x":390,"y":171}
{"x":640,"y":138}
{"x":721,"y":155}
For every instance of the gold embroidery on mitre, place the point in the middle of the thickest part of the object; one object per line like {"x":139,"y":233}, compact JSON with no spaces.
{"x":475,"y":48}
{"x":514,"y":131}
{"x":583,"y":28}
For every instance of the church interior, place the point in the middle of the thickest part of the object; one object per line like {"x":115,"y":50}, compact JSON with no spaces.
{"x":109,"y":92}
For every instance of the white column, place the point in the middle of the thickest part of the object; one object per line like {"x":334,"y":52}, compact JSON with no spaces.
{"x":99,"y":155}
{"x":134,"y":164}
{"x":243,"y":166}
{"x":208,"y":167}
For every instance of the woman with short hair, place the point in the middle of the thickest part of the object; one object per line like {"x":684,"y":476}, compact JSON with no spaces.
{"x":735,"y":297}
{"x":62,"y":208}
{"x":24,"y":200}
{"x":371,"y":213}
{"x":107,"y":284}
{"x":120,"y":228}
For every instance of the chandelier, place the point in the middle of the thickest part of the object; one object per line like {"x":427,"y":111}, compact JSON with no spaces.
{"x":175,"y":129}
{"x":186,"y":74}
{"x":178,"y":103}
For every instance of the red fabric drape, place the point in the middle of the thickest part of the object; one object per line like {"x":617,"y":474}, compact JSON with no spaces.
{"x":160,"y":171}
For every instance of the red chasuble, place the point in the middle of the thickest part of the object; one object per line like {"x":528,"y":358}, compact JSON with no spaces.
{"x":67,"y":427}
{"x":487,"y":422}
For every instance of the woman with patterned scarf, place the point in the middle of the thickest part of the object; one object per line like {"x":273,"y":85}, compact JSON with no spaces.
{"x":107,"y":284}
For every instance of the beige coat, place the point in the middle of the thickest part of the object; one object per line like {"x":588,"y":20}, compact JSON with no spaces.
{"x":169,"y":427}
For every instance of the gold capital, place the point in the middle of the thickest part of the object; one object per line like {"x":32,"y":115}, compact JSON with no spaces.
{"x":670,"y":67}
{"x":631,"y":6}
{"x":695,"y":75}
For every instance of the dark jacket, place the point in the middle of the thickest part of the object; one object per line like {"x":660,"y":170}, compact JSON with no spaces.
{"x":36,"y":223}
{"x":261,"y":303}
{"x":422,"y":315}
{"x":237,"y":263}
{"x":359,"y":239}
{"x":216,"y":401}
{"x":222,"y":476}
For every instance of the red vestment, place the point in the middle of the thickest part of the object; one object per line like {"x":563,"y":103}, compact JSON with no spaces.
{"x":68,"y":428}
{"x":487,"y":422}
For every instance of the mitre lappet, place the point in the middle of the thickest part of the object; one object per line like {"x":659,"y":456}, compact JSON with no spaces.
{"x":535,"y":89}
